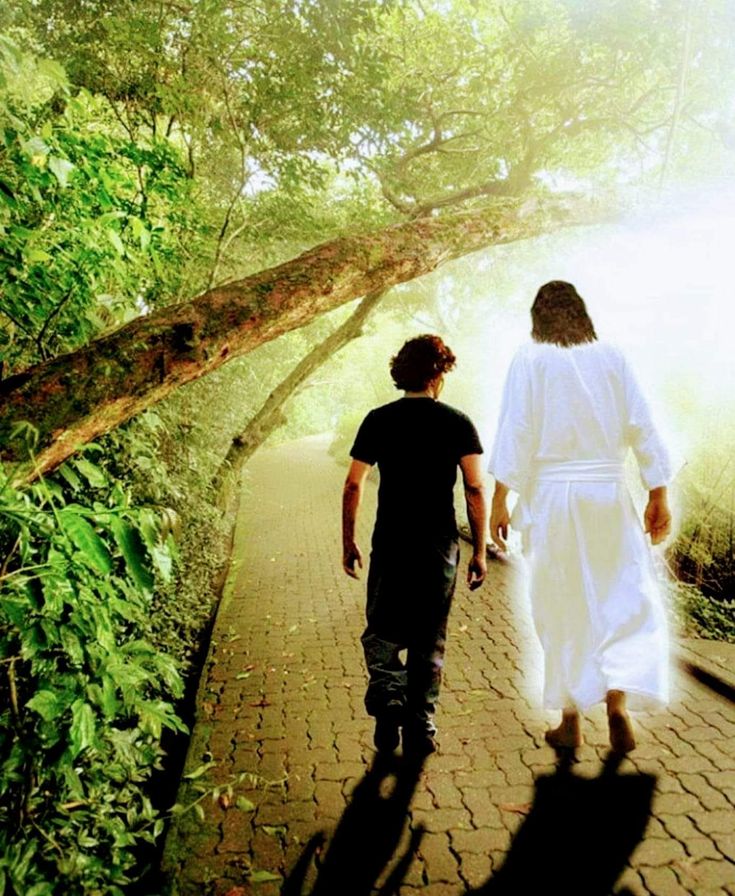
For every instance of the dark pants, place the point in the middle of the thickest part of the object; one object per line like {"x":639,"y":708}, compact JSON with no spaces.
{"x":410,"y":593}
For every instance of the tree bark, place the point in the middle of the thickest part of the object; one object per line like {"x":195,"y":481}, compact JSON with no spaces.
{"x":270,"y":416}
{"x":74,"y":398}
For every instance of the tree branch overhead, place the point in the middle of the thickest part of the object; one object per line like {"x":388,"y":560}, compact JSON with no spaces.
{"x":74,"y":398}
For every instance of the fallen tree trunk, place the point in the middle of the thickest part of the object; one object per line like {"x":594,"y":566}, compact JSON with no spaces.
{"x":270,"y":416}
{"x":74,"y":398}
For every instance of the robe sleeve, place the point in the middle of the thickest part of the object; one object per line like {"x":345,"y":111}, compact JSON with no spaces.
{"x":641,"y":434}
{"x":514,"y":446}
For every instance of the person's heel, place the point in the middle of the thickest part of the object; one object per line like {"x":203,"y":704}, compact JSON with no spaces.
{"x":622,"y":739}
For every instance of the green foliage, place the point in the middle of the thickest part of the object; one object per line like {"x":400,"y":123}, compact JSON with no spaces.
{"x":699,"y":616}
{"x":86,"y":695}
{"x":89,"y":220}
{"x":704,"y":552}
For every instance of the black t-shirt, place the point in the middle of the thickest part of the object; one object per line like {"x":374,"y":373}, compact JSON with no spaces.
{"x":417,"y":444}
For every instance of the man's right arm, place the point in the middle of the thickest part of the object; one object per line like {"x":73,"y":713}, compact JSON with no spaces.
{"x":474,"y":490}
{"x":351,"y":497}
{"x":499,"y":516}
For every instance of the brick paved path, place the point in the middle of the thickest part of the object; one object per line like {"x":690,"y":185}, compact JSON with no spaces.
{"x":280,"y":707}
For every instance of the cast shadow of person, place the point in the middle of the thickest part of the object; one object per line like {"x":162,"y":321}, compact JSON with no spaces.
{"x":578,"y":835}
{"x":366,"y":838}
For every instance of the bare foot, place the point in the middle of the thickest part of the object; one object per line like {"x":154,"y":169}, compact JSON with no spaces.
{"x":568,"y":736}
{"x":622,"y":739}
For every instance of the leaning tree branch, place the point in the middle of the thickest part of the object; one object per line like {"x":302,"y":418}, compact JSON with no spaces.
{"x":74,"y":398}
{"x":270,"y":416}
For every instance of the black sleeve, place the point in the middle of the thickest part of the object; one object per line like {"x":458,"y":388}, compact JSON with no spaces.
{"x":365,"y":446}
{"x":468,"y":441}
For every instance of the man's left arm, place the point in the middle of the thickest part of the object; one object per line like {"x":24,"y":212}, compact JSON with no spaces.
{"x":351,"y":498}
{"x":474,"y":492}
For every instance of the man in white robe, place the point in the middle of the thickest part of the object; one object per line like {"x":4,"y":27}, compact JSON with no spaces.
{"x":570,"y":412}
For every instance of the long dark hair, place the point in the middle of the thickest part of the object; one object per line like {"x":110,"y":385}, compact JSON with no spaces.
{"x":559,"y":315}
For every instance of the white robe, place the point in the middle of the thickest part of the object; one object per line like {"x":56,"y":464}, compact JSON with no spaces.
{"x":567,"y":420}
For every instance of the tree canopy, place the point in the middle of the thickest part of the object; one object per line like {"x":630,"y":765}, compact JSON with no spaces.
{"x":185,"y":145}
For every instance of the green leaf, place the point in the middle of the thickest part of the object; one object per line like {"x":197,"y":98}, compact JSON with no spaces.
{"x":41,"y":889}
{"x":61,"y":169}
{"x":133,"y":550}
{"x":15,"y":610}
{"x":82,"y":727}
{"x":154,"y":716}
{"x":53,"y":71}
{"x":274,"y":830}
{"x":109,"y":703}
{"x":244,"y":804}
{"x":140,"y":232}
{"x":163,"y":561}
{"x":36,"y":256}
{"x":91,"y":472}
{"x":259,"y":877}
{"x":71,"y":644}
{"x":46,"y":704}
{"x":71,"y":477}
{"x":8,"y":196}
{"x":83,"y":536}
{"x":199,"y":771}
{"x":114,"y":237}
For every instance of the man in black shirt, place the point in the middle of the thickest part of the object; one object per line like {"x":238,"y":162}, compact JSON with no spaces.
{"x":417,"y":442}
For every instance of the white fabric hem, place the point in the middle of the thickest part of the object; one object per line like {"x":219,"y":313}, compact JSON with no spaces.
{"x":636,"y":701}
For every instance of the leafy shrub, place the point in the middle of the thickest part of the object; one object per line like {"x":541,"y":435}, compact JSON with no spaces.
{"x":704,"y":552}
{"x":699,"y":616}
{"x":86,"y":696}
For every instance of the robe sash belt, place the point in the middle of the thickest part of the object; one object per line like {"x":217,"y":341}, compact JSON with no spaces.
{"x":565,"y":471}
{"x":580,"y":471}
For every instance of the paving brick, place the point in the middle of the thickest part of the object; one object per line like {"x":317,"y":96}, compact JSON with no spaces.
{"x":726,"y":844}
{"x":701,"y":848}
{"x":441,"y":820}
{"x":680,"y":826}
{"x":339,"y":771}
{"x":719,"y":822}
{"x":475,"y":869}
{"x":707,"y":795}
{"x":663,"y":882}
{"x":484,"y":813}
{"x":329,"y":798}
{"x":711,"y":873}
{"x":658,"y":851}
{"x":631,"y":883}
{"x":483,"y":840}
{"x":440,"y":862}
{"x":676,"y":804}
{"x":446,"y":793}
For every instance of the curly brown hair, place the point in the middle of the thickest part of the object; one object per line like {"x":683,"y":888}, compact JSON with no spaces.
{"x":559,"y":315}
{"x":419,"y":361}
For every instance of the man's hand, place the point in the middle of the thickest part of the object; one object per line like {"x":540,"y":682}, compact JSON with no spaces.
{"x":476,"y":571}
{"x":499,"y":522}
{"x":657,"y":516}
{"x":351,"y":495}
{"x":351,"y":559}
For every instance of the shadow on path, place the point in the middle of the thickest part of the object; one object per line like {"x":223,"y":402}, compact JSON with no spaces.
{"x":578,"y":836}
{"x":366,"y":838}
